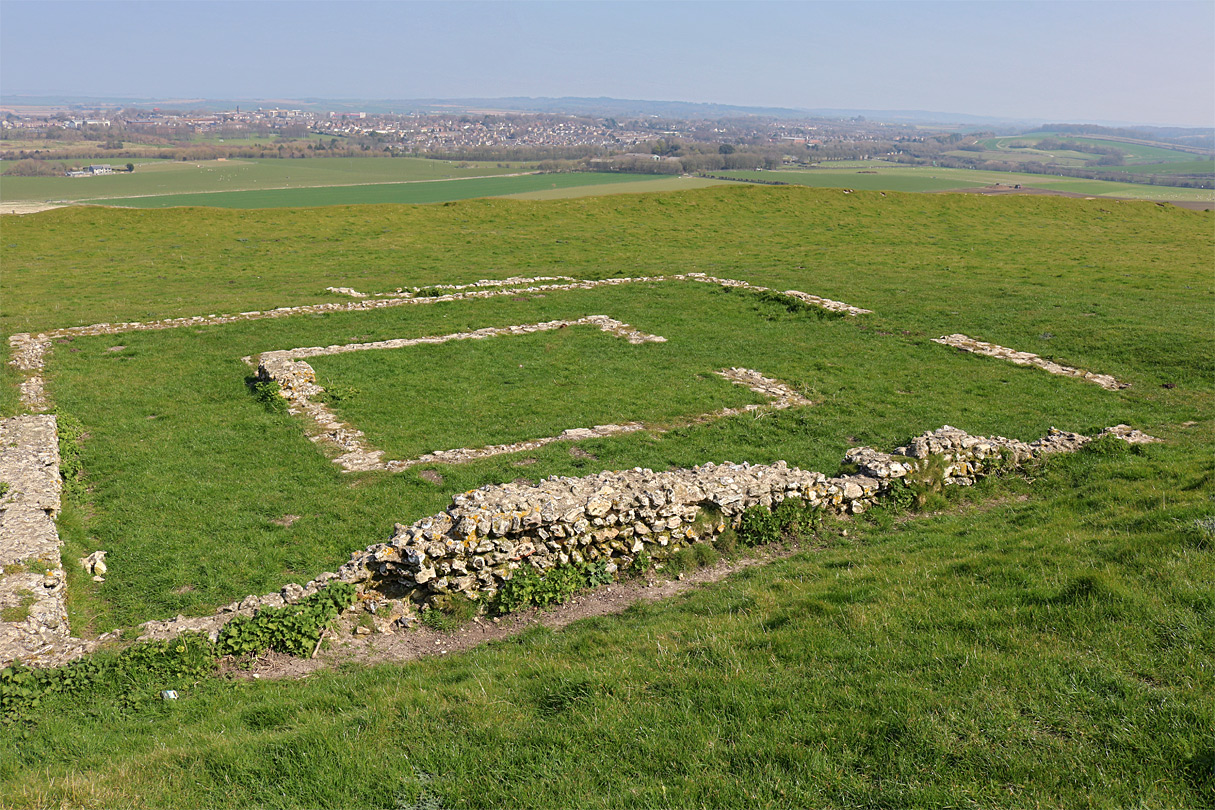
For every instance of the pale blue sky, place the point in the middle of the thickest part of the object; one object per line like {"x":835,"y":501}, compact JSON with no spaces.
{"x":1144,"y":62}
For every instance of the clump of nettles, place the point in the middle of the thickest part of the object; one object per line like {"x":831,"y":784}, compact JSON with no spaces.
{"x":137,"y":674}
{"x":267,"y":393}
{"x":531,"y":586}
{"x":792,"y":519}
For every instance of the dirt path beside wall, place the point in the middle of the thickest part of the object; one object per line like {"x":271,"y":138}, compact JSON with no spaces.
{"x":421,"y":642}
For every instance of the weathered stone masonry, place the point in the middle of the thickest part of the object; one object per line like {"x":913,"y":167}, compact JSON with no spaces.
{"x":488,"y":534}
{"x":32,"y":580}
{"x":969,"y":344}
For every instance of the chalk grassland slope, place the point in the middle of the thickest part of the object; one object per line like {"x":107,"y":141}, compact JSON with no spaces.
{"x":880,"y":176}
{"x":153,"y":177}
{"x":1140,"y":156}
{"x":379,"y":193}
{"x":646,"y":186}
{"x":1051,"y":650}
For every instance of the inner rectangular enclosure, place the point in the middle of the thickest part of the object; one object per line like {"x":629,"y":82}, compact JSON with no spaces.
{"x":505,"y":389}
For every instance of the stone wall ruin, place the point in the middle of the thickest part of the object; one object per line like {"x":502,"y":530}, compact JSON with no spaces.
{"x":30,"y":349}
{"x":487,"y":535}
{"x":297,"y":384}
{"x":969,"y":344}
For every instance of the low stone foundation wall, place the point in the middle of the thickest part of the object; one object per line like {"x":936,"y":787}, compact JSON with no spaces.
{"x":488,"y":534}
{"x":29,"y":350}
{"x":969,"y":344}
{"x":32,"y":580}
{"x":297,"y":384}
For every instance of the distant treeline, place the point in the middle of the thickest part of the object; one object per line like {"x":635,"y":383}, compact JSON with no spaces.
{"x":744,"y":179}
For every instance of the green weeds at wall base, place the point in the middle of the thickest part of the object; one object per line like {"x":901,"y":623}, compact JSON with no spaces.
{"x":135,"y":675}
{"x":129,"y":678}
{"x":792,"y":519}
{"x":530,"y":587}
{"x":267,"y":392}
{"x":292,"y":629}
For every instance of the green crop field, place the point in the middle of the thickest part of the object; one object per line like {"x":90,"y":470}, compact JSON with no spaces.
{"x":411,"y":193}
{"x":1058,"y":157}
{"x":165,"y":177}
{"x":1038,"y":640}
{"x":880,"y":176}
{"x":564,"y":184}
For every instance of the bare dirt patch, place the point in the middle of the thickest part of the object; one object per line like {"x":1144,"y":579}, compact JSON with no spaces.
{"x":1001,"y":189}
{"x":27,"y":207}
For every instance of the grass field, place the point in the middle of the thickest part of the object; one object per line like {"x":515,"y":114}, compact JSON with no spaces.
{"x":1172,"y":167}
{"x":155,"y":177}
{"x":880,"y":176}
{"x":648,"y":186}
{"x":1046,"y":642}
{"x":1057,"y":157}
{"x":379,"y":193}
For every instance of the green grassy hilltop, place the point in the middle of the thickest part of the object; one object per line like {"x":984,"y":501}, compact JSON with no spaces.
{"x":1042,"y":640}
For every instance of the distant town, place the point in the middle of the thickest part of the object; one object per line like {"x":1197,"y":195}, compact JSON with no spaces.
{"x":52,"y":140}
{"x":445,"y":131}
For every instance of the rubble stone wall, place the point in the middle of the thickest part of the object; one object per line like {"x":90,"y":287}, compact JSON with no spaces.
{"x":32,"y":580}
{"x":489,"y":534}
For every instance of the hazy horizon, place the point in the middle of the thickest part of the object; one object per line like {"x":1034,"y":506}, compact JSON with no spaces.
{"x":1126,"y":62}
